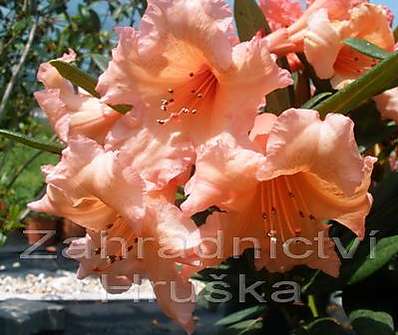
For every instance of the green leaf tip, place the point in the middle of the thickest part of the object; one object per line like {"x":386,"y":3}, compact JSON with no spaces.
{"x":33,"y":143}
{"x":87,"y":82}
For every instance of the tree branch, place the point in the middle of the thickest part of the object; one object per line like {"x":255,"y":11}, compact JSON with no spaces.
{"x":18,"y":68}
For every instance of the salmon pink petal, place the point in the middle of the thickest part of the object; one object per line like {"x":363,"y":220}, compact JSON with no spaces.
{"x":51,"y":78}
{"x":380,"y":33}
{"x":261,"y":129}
{"x":387,"y":104}
{"x":57,"y":114}
{"x":301,"y":251}
{"x":175,"y":232}
{"x":204,"y":25}
{"x":322,"y":44}
{"x":255,"y":69}
{"x":71,"y":113}
{"x":159,"y":157}
{"x":301,"y":141}
{"x":224,"y":176}
{"x":337,"y":10}
{"x":193,"y":78}
{"x":281,"y":14}
{"x":326,"y":201}
{"x":90,"y":181}
{"x":145,"y":62}
{"x":175,"y":295}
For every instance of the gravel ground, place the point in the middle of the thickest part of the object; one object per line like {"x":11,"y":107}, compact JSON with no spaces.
{"x":63,"y":285}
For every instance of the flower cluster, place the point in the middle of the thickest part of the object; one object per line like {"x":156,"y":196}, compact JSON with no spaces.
{"x":197,"y":121}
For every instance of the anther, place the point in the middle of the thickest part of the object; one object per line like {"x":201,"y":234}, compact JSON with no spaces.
{"x":191,"y":74}
{"x":194,"y":111}
{"x":162,"y":122}
{"x":170,"y":90}
{"x":111,"y":259}
{"x":97,"y":251}
{"x":301,"y":214}
{"x":199,"y":95}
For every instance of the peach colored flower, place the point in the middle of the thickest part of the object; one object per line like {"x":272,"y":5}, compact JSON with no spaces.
{"x":281,"y":14}
{"x":187,"y":78}
{"x":91,"y":187}
{"x":291,"y":39}
{"x":387,"y":104}
{"x":331,"y":59}
{"x":337,"y":10}
{"x":312,"y":172}
{"x":71,"y":112}
{"x":121,"y":258}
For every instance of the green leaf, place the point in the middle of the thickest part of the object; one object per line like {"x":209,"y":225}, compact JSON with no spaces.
{"x":33,"y":143}
{"x":366,"y":322}
{"x":385,"y":249}
{"x":85,"y":81}
{"x":249,"y":19}
{"x":241,"y":315}
{"x":76,"y":76}
{"x":367,"y":48}
{"x":317,"y":99}
{"x":324,"y":326}
{"x":246,"y":327}
{"x":375,"y":81}
{"x":101,"y":61}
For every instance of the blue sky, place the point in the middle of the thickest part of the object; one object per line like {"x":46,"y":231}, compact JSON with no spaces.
{"x":393,"y":4}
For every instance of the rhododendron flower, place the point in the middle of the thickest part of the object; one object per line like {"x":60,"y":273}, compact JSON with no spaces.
{"x":387,"y":104}
{"x":187,"y":78}
{"x":331,"y":59}
{"x":281,"y":14}
{"x":312,"y":172}
{"x":337,"y":10}
{"x":71,"y":112}
{"x":120,"y":258}
{"x":92,"y":187}
{"x":290,"y":39}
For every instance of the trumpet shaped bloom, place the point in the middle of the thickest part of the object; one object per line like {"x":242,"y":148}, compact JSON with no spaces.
{"x":187,"y":78}
{"x":331,"y":59}
{"x":92,"y":187}
{"x":121,"y":257}
{"x":312,"y":172}
{"x":387,"y":104}
{"x":281,"y":14}
{"x":294,"y":23}
{"x":71,"y":112}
